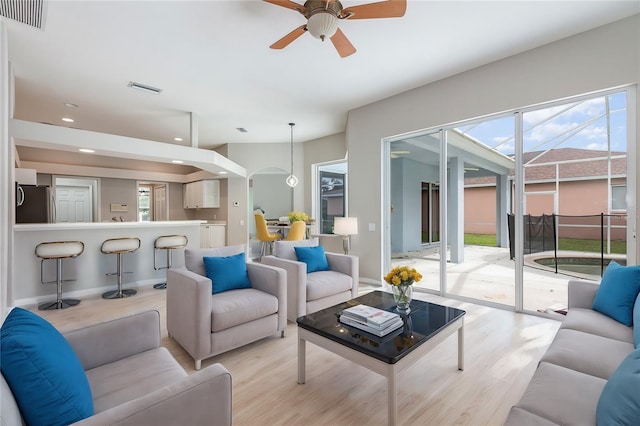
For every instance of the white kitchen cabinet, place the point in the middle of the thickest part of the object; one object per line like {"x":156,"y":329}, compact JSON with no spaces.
{"x":201,"y":194}
{"x":212,"y":235}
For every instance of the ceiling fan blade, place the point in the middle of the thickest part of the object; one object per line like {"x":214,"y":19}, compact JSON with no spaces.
{"x":342,"y":44}
{"x":382,"y":9}
{"x":289,"y":5}
{"x":286,"y":40}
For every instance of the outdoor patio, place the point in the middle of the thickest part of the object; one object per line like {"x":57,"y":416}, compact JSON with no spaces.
{"x":488,"y":274}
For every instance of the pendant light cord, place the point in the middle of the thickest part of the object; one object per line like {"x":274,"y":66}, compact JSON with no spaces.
{"x":291,"y":125}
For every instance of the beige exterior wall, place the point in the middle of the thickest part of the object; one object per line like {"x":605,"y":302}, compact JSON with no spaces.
{"x":577,"y":198}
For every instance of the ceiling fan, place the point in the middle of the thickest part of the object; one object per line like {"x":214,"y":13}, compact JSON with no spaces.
{"x":322,"y":19}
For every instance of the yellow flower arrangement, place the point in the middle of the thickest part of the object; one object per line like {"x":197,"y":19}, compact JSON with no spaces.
{"x":402,"y":275}
{"x":296,"y":216}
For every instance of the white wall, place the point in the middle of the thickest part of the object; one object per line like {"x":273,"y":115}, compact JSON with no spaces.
{"x":272,"y":194}
{"x":602,"y":58}
{"x":257,"y":157}
{"x":6,"y":178}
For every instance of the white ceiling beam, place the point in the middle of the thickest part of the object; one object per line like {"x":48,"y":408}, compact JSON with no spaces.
{"x":47,"y":136}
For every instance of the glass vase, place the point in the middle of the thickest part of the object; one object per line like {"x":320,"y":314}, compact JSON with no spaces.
{"x":402,"y":294}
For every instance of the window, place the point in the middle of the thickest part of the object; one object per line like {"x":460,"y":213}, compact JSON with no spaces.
{"x":618,"y":197}
{"x":144,"y":203}
{"x":331,"y":190}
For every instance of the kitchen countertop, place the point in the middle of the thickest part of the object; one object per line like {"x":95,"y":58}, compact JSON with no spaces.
{"x":103,"y":225}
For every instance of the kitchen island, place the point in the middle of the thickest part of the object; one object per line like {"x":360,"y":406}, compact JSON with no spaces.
{"x":88,"y":271}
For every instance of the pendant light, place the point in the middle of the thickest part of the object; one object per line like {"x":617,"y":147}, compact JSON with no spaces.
{"x":291,"y":180}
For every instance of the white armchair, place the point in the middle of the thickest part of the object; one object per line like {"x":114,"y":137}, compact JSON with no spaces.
{"x":207,"y":324}
{"x":307,"y":293}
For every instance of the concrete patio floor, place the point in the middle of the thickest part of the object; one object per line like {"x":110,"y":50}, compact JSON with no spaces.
{"x":487,"y":274}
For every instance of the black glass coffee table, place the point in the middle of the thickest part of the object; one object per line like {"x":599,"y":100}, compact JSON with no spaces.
{"x":425,"y":326}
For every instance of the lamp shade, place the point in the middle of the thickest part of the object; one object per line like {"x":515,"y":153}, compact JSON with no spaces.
{"x":345,"y":225}
{"x":322,"y":25}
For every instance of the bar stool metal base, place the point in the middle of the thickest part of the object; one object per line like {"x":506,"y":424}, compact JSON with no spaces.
{"x":118,"y":294}
{"x":60,"y":304}
{"x":160,"y":286}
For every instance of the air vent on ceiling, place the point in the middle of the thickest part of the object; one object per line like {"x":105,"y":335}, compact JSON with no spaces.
{"x":144,"y":87}
{"x":241,"y":129}
{"x":30,"y":12}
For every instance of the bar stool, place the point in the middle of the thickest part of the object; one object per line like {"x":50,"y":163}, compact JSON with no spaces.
{"x":119,"y":246}
{"x":168,"y":243}
{"x":58,"y":251}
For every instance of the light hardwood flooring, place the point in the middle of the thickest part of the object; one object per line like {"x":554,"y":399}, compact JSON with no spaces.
{"x":502,"y":350}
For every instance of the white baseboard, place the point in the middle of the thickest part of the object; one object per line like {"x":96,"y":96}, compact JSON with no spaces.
{"x":79,"y":294}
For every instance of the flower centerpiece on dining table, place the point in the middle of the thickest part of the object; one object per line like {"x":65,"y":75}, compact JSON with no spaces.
{"x":401,"y":279}
{"x":296,"y":216}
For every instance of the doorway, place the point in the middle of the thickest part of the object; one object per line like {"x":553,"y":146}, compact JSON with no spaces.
{"x":75,"y":199}
{"x":153,"y":202}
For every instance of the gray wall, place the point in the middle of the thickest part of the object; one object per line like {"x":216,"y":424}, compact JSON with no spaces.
{"x":603,"y":58}
{"x":272,"y":194}
{"x":257,"y":157}
{"x":118,"y":191}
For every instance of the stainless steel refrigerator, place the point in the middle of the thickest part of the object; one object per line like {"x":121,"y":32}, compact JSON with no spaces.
{"x":33,"y":204}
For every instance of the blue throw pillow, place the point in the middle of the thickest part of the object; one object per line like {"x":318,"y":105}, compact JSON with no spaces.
{"x":619,"y":402}
{"x":227,"y":272}
{"x":314,"y":257}
{"x":636,"y":321}
{"x":43,"y":372}
{"x":618,"y":291}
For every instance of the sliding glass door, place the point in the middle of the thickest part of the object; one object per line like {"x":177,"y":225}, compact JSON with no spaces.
{"x":517,"y":204}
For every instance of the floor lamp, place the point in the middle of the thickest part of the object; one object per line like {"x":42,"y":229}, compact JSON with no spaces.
{"x":345,"y":226}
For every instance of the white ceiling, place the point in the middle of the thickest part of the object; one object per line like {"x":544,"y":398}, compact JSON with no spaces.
{"x":212,"y":58}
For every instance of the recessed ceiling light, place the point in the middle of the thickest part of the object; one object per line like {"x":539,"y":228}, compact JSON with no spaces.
{"x":87,"y":150}
{"x":177,"y":161}
{"x":67,"y":119}
{"x":177,"y":139}
{"x":222,"y":173}
{"x":70,"y":105}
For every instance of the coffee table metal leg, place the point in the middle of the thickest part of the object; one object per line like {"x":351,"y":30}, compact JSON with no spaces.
{"x":461,"y":348}
{"x":392,"y":409}
{"x":301,"y":360}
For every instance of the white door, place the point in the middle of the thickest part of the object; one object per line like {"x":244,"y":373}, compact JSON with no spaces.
{"x":160,"y":202}
{"x":73,"y":204}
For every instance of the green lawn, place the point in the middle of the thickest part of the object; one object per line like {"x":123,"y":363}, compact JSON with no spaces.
{"x":480,"y":240}
{"x":573,"y":244}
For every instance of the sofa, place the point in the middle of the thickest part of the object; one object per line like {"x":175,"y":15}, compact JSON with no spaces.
{"x":590,"y":374}
{"x":132,"y":379}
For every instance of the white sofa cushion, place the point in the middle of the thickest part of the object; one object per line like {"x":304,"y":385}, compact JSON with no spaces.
{"x":594,"y":322}
{"x":588,"y":353}
{"x":327,"y":283}
{"x":133,"y":377}
{"x":234,"y":307}
{"x":563,"y":396}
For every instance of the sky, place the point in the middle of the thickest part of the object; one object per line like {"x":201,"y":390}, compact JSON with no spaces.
{"x":573,"y":125}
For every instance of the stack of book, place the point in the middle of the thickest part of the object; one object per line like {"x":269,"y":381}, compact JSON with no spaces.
{"x":372,"y":320}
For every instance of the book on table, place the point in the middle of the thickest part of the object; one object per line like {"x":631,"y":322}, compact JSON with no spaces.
{"x":370,"y":316}
{"x":380,"y":332}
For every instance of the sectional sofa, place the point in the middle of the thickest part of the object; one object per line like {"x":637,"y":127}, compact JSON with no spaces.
{"x":112,"y":373}
{"x":591,"y":372}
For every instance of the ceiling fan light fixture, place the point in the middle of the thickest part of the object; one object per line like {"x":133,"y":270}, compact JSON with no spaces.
{"x":322,"y":25}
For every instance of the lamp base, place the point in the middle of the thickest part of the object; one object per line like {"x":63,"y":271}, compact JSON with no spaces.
{"x":346,"y":244}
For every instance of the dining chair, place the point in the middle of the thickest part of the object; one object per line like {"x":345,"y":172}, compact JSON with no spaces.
{"x":297,"y":231}
{"x":263,"y":234}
